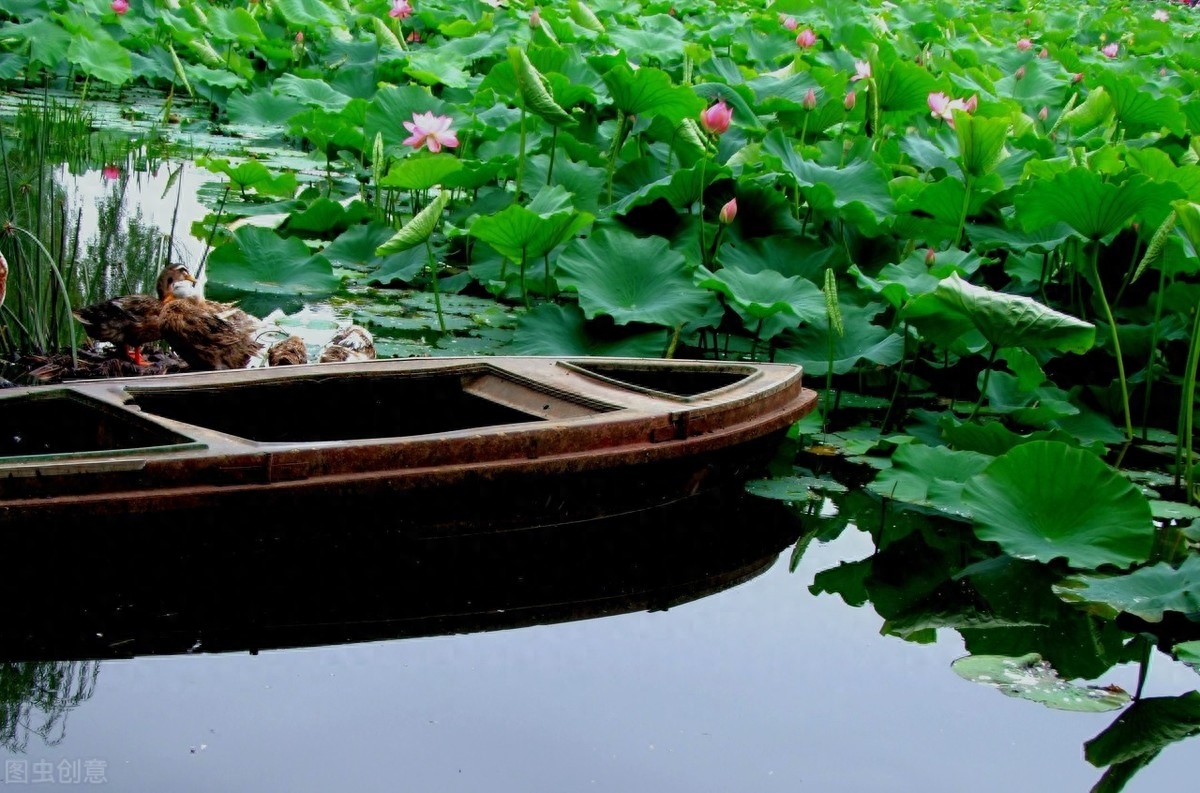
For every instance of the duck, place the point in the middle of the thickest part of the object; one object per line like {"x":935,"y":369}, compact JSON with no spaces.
{"x":205,"y":334}
{"x":289,"y":352}
{"x":353,"y":343}
{"x":131,"y":321}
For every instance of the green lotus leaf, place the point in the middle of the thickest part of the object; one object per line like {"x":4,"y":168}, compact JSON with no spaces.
{"x":253,"y":175}
{"x":233,"y":24}
{"x":533,"y":91}
{"x":1146,"y":728}
{"x":904,"y":87}
{"x":1145,"y":593}
{"x":259,"y":261}
{"x":325,"y":218}
{"x":1032,"y":678}
{"x":306,"y":13}
{"x":660,"y":34}
{"x":1015,"y":320}
{"x":101,"y":58}
{"x":631,"y":279}
{"x":583,"y":181}
{"x":858,"y":191}
{"x":1139,"y":110}
{"x":1093,"y":207}
{"x":862,"y":341}
{"x":757,"y":296}
{"x":551,"y":329}
{"x":262,"y":108}
{"x":47,"y":42}
{"x":930,"y":476}
{"x":355,"y":248}
{"x":311,"y":92}
{"x":794,"y":488}
{"x":1189,"y":653}
{"x":1045,"y":500}
{"x":680,"y":189}
{"x":980,"y":142}
{"x":650,"y":91}
{"x":1092,"y":112}
{"x":439,"y":66}
{"x":528,"y":232}
{"x":417,"y":230}
{"x":993,"y":438}
{"x":421,"y":172}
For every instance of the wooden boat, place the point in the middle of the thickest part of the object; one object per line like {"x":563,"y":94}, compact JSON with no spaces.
{"x":443,"y":446}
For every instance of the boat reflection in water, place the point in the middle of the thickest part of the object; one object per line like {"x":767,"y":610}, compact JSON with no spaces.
{"x":217,"y":585}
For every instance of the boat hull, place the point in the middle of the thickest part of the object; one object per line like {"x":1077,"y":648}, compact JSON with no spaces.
{"x":448,"y":446}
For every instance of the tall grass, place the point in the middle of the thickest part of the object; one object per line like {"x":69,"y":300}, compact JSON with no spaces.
{"x":53,"y":271}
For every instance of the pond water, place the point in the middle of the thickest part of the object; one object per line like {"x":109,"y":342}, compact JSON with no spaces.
{"x":605,"y":666}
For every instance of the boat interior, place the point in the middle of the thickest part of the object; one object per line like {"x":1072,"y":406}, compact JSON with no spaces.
{"x":350,"y":404}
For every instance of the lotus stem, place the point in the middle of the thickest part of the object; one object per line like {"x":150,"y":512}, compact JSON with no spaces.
{"x":1187,"y":407}
{"x":618,"y":139}
{"x":1158,"y":307}
{"x":966,"y":207}
{"x":987,"y":374}
{"x":1112,"y":326}
{"x":521,"y":157}
{"x":437,"y":295}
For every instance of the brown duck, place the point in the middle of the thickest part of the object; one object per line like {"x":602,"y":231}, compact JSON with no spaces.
{"x":132,"y":320}
{"x":289,"y":352}
{"x":349,"y":344}
{"x":205,"y":334}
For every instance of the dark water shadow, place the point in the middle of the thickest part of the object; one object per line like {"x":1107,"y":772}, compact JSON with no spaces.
{"x":219,"y":585}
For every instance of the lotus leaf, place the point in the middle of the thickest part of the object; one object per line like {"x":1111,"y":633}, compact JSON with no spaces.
{"x":757,"y":296}
{"x":1015,"y":320}
{"x":1045,"y":500}
{"x":1093,"y":207}
{"x":1145,"y":593}
{"x":562,"y":330}
{"x":1030,"y":677}
{"x":930,"y":476}
{"x":650,"y":91}
{"x":630,"y":279}
{"x":259,"y":261}
{"x":1145,"y":728}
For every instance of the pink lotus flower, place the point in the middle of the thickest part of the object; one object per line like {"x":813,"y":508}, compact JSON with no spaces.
{"x":1019,"y":74}
{"x":3,"y":278}
{"x":1110,"y":50}
{"x":862,"y":71}
{"x":943,"y":107}
{"x":930,"y":257}
{"x":1161,"y":15}
{"x":400,"y":9}
{"x":110,"y":172}
{"x":414,"y":37}
{"x":728,"y":212}
{"x":1077,"y":77}
{"x":1044,"y":113}
{"x":430,"y":130}
{"x":806,"y":39}
{"x":810,"y":100}
{"x":790,"y":23}
{"x":716,"y":119}
{"x":849,"y":101}
{"x":1045,"y":53}
{"x":535,"y":18}
{"x":120,"y":7}
{"x":1024,"y":44}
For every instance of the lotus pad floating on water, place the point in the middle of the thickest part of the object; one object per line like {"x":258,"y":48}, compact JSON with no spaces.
{"x":1032,"y":678}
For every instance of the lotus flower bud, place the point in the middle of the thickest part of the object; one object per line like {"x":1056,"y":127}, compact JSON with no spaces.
{"x":728,"y":212}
